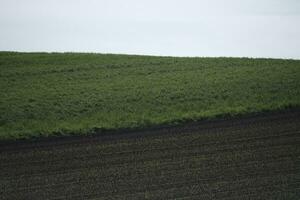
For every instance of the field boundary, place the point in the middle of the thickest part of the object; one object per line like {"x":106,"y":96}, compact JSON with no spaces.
{"x":169,"y":128}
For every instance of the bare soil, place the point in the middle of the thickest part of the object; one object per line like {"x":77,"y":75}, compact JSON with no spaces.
{"x":255,"y":157}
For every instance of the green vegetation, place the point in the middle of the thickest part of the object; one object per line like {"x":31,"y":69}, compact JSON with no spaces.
{"x":59,"y":94}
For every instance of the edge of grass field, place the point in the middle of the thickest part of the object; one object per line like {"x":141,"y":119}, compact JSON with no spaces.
{"x":96,"y":131}
{"x":142,"y":55}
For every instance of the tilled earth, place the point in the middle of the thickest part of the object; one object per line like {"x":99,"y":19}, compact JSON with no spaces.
{"x":249,"y":158}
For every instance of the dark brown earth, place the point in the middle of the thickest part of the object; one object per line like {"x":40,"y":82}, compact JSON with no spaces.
{"x":254,"y":157}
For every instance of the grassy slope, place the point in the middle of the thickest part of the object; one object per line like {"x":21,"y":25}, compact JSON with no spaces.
{"x":46,"y":94}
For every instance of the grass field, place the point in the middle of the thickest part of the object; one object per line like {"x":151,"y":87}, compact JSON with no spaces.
{"x":245,"y":158}
{"x":62,"y":94}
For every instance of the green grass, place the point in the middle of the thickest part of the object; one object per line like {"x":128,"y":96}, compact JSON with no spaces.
{"x":61,"y":94}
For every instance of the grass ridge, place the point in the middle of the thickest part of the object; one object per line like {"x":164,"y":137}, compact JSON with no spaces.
{"x":45,"y":95}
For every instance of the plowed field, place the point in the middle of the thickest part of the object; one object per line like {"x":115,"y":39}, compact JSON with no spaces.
{"x":247,"y":158}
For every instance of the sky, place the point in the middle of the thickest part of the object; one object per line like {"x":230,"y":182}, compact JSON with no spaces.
{"x":214,"y":28}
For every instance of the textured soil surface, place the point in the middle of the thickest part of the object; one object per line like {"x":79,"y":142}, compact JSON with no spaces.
{"x":248,"y":158}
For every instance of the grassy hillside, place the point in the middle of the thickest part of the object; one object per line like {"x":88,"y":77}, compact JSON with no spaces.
{"x":57,"y":94}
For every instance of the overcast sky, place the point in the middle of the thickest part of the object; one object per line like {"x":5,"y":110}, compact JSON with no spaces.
{"x":247,"y":28}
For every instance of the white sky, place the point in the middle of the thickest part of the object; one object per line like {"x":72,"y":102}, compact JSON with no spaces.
{"x":248,"y":28}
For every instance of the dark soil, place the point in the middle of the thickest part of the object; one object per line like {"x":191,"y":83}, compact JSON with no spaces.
{"x":254,"y":157}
